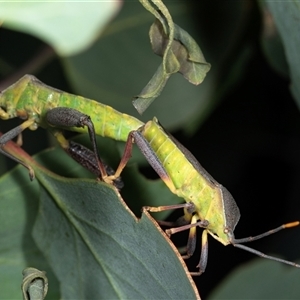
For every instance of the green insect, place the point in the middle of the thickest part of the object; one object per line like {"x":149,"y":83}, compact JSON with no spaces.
{"x":208,"y":205}
{"x":33,"y":101}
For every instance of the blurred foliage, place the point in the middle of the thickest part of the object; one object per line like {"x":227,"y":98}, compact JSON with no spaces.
{"x":249,"y":138}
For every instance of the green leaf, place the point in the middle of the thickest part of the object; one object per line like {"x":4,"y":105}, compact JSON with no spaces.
{"x":272,"y":43}
{"x":151,"y":91}
{"x":260,"y":279}
{"x":186,"y":59}
{"x":98,"y":249}
{"x":94,"y":244}
{"x":50,"y":21}
{"x":121,"y":62}
{"x":286,"y":17}
{"x":19,"y":199}
{"x":180,"y":54}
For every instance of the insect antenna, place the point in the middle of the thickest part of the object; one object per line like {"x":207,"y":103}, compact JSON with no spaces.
{"x":266,"y":256}
{"x":238,"y":243}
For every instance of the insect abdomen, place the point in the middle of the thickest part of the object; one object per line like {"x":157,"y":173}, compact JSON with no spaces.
{"x":186,"y":181}
{"x":31,"y":98}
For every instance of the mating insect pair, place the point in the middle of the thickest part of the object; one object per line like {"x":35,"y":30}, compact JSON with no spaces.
{"x":208,"y":204}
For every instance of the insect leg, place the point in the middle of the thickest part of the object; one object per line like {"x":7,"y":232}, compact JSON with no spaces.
{"x":126,"y":155}
{"x":69,"y":117}
{"x":191,"y":244}
{"x":137,"y":137}
{"x":204,"y":255}
{"x":86,"y":158}
{"x":168,"y":207}
{"x":11,"y":134}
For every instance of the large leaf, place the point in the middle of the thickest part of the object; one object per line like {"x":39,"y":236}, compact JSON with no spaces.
{"x":96,"y":247}
{"x":272,"y":43}
{"x":19,"y":202}
{"x":286,"y":17}
{"x":50,"y":21}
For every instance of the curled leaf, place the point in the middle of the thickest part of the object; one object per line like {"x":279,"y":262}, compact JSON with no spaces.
{"x":35,"y":284}
{"x":179,"y":51}
{"x":193,"y":65}
{"x":152,"y":90}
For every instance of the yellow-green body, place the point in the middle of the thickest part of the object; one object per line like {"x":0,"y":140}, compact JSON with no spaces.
{"x":189,"y":180}
{"x":209,"y":204}
{"x":29,"y":98}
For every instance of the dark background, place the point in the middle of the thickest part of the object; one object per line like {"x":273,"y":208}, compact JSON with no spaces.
{"x":250,"y":143}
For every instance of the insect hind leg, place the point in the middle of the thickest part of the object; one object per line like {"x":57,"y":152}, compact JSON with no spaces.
{"x":11,"y":134}
{"x":191,"y":222}
{"x":70,"y":117}
{"x":86,"y":158}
